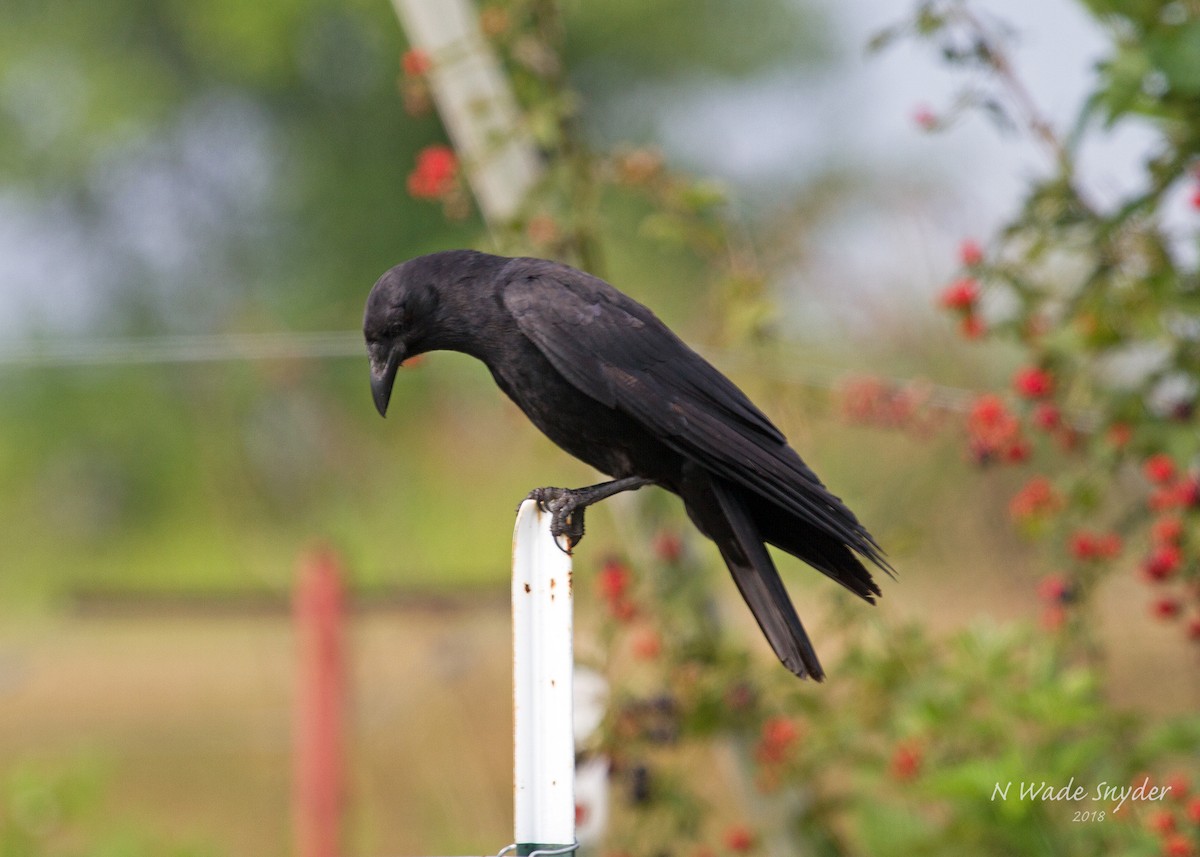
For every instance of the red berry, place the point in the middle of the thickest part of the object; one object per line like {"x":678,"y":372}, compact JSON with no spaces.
{"x":1159,"y":468}
{"x":434,"y":174}
{"x":906,"y":760}
{"x":970,"y":253}
{"x":988,"y":410}
{"x":1083,"y":545}
{"x":925,"y":118}
{"x":776,"y":739}
{"x":1177,"y":845}
{"x":1017,"y":451}
{"x":779,"y":730}
{"x":1162,"y":821}
{"x":1166,"y":608}
{"x":623,"y":610}
{"x":668,"y":546}
{"x":960,"y":295}
{"x":1187,"y":492}
{"x":1178,"y":785}
{"x":1193,"y":632}
{"x":415,"y":62}
{"x":1046,"y":416}
{"x":646,"y":644}
{"x":993,"y":429}
{"x":1054,"y":617}
{"x":1119,"y":434}
{"x":972,"y":326}
{"x":1033,"y":383}
{"x":1163,"y":562}
{"x":1193,"y":810}
{"x":1086,"y":546}
{"x":739,"y":839}
{"x":1054,"y":589}
{"x":613,"y":580}
{"x":1037,"y":497}
{"x":1168,"y":529}
{"x":1108,"y":545}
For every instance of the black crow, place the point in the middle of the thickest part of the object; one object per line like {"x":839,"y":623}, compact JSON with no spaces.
{"x":608,"y":382}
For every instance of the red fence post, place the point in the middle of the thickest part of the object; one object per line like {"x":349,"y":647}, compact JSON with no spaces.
{"x":318,"y":611}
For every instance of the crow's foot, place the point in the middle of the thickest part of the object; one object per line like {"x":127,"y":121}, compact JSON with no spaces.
{"x":566,"y":508}
{"x":566,"y":505}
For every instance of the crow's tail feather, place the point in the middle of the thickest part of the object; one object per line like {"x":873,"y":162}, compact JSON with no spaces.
{"x":822,"y":551}
{"x":721,"y":514}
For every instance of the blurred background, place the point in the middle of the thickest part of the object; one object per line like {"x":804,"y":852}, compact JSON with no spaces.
{"x":195,"y":199}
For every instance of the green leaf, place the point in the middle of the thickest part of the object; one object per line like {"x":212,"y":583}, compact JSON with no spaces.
{"x":888,"y":830}
{"x":1177,"y":55}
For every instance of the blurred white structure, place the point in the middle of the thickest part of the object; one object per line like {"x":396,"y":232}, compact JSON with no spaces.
{"x":475,"y":103}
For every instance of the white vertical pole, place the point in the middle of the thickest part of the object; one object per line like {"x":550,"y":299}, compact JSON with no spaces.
{"x":544,"y":745}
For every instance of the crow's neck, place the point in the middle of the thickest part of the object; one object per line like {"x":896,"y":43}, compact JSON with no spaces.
{"x":471,"y":317}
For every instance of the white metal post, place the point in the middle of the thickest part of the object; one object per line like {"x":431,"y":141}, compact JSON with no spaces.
{"x":544,"y":745}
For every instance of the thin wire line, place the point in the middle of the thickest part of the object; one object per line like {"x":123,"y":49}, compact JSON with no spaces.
{"x":340,"y":344}
{"x":198,"y":348}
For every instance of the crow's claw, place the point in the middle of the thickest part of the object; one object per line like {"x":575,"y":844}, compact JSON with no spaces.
{"x":566,"y":508}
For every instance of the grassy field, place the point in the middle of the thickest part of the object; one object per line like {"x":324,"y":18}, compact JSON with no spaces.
{"x":189,"y":721}
{"x":189,"y":718}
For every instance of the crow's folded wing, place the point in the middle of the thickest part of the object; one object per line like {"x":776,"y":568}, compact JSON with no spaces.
{"x":616,"y":351}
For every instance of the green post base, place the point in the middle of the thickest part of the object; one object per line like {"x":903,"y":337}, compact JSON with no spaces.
{"x":524,"y":849}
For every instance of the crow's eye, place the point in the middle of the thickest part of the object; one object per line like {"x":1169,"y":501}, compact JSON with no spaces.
{"x":398,"y":321}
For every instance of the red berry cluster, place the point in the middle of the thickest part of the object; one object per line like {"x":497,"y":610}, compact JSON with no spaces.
{"x":1090,"y":547}
{"x":435,"y":174}
{"x":646,"y":643}
{"x":1171,"y":563}
{"x":776,"y":747}
{"x":872,"y":401}
{"x":1038,"y":498}
{"x":776,"y":739}
{"x":994,"y":432}
{"x":1177,"y":824}
{"x":907,"y":758}
{"x":1056,"y":592}
{"x":415,"y":66}
{"x":962,"y":298}
{"x":740,"y":839}
{"x":613,"y":585}
{"x":962,"y":295}
{"x":924,"y":118}
{"x":1005,"y":430}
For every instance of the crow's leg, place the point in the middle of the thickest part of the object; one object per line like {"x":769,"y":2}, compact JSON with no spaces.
{"x":566,"y":505}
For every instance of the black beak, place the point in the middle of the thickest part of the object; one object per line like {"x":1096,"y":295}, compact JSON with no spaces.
{"x":386,"y":358}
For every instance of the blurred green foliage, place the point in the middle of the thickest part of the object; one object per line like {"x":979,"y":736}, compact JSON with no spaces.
{"x":916,"y":744}
{"x":62,"y":814}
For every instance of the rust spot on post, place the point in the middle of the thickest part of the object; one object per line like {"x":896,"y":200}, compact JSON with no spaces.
{"x":527,"y":589}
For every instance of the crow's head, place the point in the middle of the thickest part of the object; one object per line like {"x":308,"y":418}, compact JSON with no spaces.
{"x":401,"y":312}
